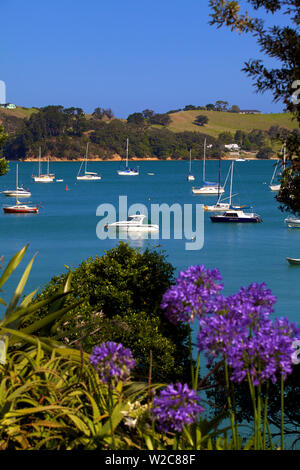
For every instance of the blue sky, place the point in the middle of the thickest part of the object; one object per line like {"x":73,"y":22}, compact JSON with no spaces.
{"x":124,"y":55}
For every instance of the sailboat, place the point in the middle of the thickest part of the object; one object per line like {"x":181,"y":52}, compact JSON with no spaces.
{"x":208,"y":187}
{"x":190,"y":176}
{"x":222,"y":206}
{"x":88,"y":175}
{"x":43,"y":177}
{"x":272,"y":186}
{"x":20,"y":208}
{"x":18,"y":192}
{"x":128,"y":171}
{"x":235,"y":214}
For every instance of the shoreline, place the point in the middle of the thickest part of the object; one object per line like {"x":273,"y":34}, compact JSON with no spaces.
{"x":138,"y":160}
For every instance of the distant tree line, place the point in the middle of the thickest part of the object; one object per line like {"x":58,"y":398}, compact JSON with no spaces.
{"x":219,"y":105}
{"x":63,"y":132}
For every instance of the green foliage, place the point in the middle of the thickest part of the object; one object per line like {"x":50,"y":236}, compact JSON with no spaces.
{"x":120,"y":295}
{"x":265,"y":153}
{"x":4,"y":166}
{"x":16,"y":313}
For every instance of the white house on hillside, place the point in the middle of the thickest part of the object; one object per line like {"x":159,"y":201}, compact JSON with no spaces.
{"x":232,"y":146}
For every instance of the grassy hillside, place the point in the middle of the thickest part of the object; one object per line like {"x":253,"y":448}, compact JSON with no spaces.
{"x":221,"y":122}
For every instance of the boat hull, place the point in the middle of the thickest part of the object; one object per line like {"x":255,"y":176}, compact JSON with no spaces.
{"x":16,"y":194}
{"x":87,"y":178}
{"x":128,"y":173}
{"x":293,"y":260}
{"x":207,"y":191}
{"x":237,"y":220}
{"x":20,"y":210}
{"x":293,"y":223}
{"x":274,"y":187}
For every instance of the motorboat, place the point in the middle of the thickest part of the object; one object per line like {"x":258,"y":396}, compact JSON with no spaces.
{"x":19,"y":192}
{"x":292,"y":222}
{"x":208,"y":187}
{"x":128,"y":171}
{"x":134,"y":223}
{"x":236,"y":216}
{"x":293,"y":260}
{"x":88,"y":175}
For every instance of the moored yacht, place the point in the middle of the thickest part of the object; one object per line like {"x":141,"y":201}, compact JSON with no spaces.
{"x":135,"y":223}
{"x":236,"y":216}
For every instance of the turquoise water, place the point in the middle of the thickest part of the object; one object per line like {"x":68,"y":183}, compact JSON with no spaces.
{"x":64,"y":231}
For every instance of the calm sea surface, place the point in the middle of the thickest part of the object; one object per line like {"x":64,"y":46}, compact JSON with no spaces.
{"x":64,"y":231}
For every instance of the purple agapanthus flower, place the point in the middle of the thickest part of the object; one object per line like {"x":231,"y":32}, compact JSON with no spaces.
{"x":266,"y":354}
{"x":191,"y":296}
{"x":112,"y":362}
{"x":176,"y":407}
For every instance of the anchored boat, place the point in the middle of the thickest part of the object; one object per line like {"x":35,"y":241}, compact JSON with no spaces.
{"x":134,"y":223}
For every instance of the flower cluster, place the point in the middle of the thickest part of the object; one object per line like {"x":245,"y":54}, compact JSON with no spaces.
{"x":192,"y":294}
{"x":112,"y":362}
{"x":236,"y":327}
{"x":176,"y":407}
{"x":240,"y":329}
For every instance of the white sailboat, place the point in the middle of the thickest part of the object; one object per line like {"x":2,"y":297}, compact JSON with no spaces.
{"x":276,"y":186}
{"x":88,"y":175}
{"x":128,"y":171}
{"x":208,"y":187}
{"x":43,"y":177}
{"x":20,"y":208}
{"x":19,"y":191}
{"x":190,"y":176}
{"x":223,"y":206}
{"x":235,"y":214}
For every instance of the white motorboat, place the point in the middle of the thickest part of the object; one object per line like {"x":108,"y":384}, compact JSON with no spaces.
{"x":292,"y":222}
{"x":43,"y":177}
{"x":208,"y":187}
{"x":88,"y":175}
{"x":128,"y":171}
{"x":134,"y":223}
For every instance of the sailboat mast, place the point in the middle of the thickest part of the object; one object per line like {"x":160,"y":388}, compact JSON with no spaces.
{"x":231,"y":183}
{"x":39,"y":161}
{"x":86,"y":156}
{"x":219,"y":179}
{"x":190,"y":167}
{"x":204,"y":151}
{"x":127,"y":153}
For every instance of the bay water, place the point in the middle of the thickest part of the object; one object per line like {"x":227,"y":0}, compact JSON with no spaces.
{"x":64,"y":231}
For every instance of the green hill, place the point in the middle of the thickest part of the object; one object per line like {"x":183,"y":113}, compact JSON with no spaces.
{"x":228,"y":122}
{"x":63,"y":133}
